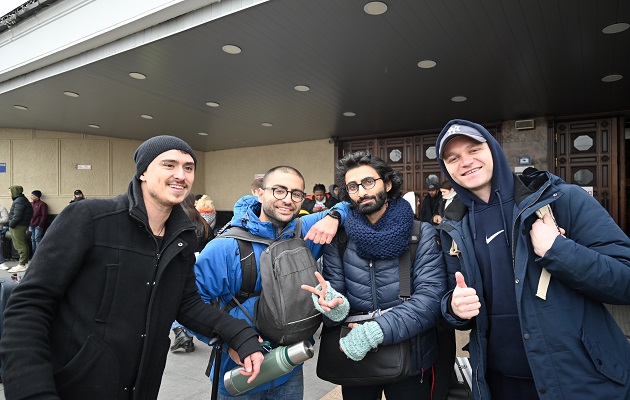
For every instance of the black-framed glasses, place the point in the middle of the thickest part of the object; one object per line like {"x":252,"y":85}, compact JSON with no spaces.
{"x":367,"y":183}
{"x":280,"y":193}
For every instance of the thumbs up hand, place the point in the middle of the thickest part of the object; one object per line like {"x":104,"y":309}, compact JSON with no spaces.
{"x":464,"y":301}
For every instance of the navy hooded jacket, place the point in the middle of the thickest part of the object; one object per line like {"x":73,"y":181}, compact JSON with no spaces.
{"x":573,"y":347}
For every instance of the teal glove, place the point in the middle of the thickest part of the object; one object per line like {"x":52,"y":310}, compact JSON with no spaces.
{"x":361,"y":339}
{"x":338,"y":313}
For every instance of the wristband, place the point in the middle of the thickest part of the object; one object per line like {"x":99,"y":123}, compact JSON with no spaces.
{"x":334,"y":214}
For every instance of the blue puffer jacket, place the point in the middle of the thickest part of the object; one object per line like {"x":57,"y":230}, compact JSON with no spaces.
{"x":573,"y":346}
{"x":374,"y":284}
{"x":218,"y":269}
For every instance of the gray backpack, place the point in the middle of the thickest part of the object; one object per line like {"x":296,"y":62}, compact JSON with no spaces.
{"x":284,"y":313}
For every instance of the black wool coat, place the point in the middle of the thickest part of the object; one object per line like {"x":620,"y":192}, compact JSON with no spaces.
{"x":91,"y":318}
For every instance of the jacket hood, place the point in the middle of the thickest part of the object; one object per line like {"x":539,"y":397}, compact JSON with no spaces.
{"x":502,"y":177}
{"x":16,"y":191}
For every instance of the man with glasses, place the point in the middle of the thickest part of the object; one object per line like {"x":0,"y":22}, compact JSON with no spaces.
{"x":270,"y":214}
{"x":364,"y":281}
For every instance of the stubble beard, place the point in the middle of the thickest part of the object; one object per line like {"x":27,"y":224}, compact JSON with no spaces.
{"x":277,"y":220}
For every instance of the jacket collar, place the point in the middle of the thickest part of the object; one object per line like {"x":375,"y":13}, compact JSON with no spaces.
{"x":177,"y":221}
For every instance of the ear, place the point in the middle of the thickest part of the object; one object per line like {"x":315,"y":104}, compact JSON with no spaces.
{"x":388,"y":186}
{"x":142,"y":178}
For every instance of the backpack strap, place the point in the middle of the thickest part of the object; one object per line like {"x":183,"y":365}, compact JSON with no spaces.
{"x":248,"y":261}
{"x":405,"y":260}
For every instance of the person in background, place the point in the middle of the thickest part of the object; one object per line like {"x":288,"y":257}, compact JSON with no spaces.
{"x":205,"y":206}
{"x":256,"y":185}
{"x":91,"y":317}
{"x":531,"y":262}
{"x":413,"y":200}
{"x":197,"y":197}
{"x":448,"y":194}
{"x":4,"y":220}
{"x":183,"y":338}
{"x":319,"y":200}
{"x":19,"y":219}
{"x":78,"y":196}
{"x":430,"y":203}
{"x":38,"y":220}
{"x":366,"y":280}
{"x":334,"y":191}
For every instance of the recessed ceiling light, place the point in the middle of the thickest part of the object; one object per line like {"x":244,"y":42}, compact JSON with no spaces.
{"x":231,"y":49}
{"x":616,"y":28}
{"x":349,"y":114}
{"x":94,"y":126}
{"x":19,"y":107}
{"x":375,"y":8}
{"x":137,"y":75}
{"x":212,"y":104}
{"x":266,"y":124}
{"x":425,"y":64}
{"x":459,"y":99}
{"x":71,"y":94}
{"x":147,"y":116}
{"x":202,"y":134}
{"x":612,"y":78}
{"x":302,"y":88}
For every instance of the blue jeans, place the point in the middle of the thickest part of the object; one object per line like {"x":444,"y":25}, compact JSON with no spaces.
{"x":292,"y":390}
{"x":37,"y":232}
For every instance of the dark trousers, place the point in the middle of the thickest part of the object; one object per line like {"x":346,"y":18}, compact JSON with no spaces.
{"x":415,"y":387}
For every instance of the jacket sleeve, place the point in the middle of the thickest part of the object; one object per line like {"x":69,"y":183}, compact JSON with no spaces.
{"x":425,"y":210}
{"x":18,"y":212}
{"x":43,"y":215}
{"x":25,"y":345}
{"x":594,"y":257}
{"x":4,"y":216}
{"x":309,"y":220}
{"x":333,"y":271}
{"x":452,"y":266}
{"x":208,"y":319}
{"x":422,"y":311}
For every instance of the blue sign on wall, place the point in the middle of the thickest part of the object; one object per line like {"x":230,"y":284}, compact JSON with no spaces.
{"x":3,"y":167}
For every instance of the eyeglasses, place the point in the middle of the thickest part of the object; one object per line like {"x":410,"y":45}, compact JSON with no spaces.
{"x":367,"y":183}
{"x":280,"y":193}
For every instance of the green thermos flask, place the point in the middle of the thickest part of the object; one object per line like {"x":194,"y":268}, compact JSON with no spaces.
{"x":277,"y":362}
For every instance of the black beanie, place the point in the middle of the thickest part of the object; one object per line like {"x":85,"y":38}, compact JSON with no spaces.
{"x":147,"y":151}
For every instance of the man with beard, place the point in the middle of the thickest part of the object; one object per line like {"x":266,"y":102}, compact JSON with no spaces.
{"x":269,"y":214}
{"x":366,"y":281}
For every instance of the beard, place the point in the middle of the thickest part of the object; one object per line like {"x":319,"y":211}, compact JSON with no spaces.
{"x":277,"y":219}
{"x":369,"y":208}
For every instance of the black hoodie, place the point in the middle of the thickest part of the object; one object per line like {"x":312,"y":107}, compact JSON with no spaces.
{"x":491,"y":225}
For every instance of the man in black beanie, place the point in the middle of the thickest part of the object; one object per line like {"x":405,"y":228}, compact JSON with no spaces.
{"x":92,"y":315}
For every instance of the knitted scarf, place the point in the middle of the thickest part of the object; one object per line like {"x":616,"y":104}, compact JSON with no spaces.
{"x":388,"y":238}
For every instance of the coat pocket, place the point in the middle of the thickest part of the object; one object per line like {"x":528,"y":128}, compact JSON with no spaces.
{"x":108,"y":293}
{"x":93,"y":373}
{"x":605,"y":362}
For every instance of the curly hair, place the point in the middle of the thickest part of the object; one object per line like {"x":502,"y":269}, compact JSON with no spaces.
{"x":359,"y":158}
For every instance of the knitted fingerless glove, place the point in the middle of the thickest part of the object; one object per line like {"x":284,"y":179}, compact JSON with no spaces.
{"x":338,"y":313}
{"x":361,"y":339}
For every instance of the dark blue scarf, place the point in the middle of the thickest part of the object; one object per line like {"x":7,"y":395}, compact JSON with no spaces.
{"x":388,"y":238}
